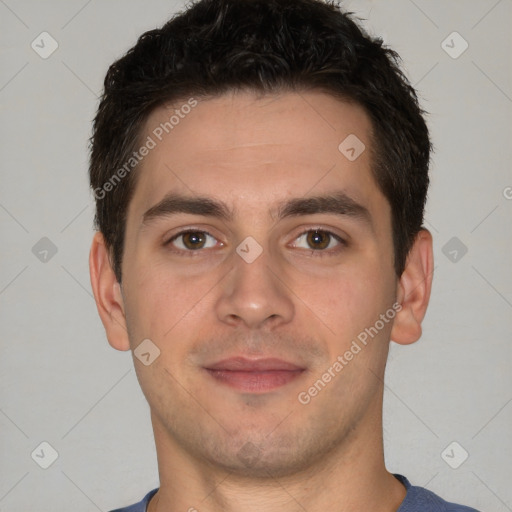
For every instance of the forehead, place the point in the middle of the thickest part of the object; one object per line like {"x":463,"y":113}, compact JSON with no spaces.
{"x":253,"y":151}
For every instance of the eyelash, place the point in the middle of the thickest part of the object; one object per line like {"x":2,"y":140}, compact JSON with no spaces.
{"x":316,"y":252}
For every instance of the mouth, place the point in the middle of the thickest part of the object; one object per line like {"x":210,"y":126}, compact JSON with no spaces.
{"x":254,"y":375}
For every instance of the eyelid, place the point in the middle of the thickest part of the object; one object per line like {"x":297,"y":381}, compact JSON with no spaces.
{"x":342,"y":241}
{"x":169,"y":239}
{"x":336,"y":232}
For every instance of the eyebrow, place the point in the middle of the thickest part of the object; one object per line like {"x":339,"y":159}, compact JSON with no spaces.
{"x":338,"y":203}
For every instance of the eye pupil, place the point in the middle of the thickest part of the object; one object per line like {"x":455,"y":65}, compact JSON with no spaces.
{"x":193,"y":239}
{"x":318,"y":239}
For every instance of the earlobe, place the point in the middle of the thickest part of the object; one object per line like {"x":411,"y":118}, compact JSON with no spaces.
{"x":414,"y":289}
{"x":107,"y":294}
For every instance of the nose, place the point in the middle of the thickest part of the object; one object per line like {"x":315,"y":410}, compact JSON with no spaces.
{"x":255,"y":295}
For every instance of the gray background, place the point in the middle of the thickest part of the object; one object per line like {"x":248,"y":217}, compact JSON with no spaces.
{"x":61,"y":382}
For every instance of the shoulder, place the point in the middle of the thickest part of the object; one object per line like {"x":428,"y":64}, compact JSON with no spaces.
{"x":140,"y":506}
{"x":419,"y":499}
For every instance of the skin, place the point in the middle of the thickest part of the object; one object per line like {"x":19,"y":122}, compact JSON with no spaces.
{"x":291,"y":302}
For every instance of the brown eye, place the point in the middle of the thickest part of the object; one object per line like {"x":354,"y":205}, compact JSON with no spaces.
{"x":192,"y":240}
{"x":319,"y":240}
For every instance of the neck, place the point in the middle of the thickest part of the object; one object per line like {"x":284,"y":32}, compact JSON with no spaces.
{"x":352,"y":477}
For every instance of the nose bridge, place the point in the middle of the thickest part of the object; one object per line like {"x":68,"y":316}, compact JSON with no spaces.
{"x":254,"y":293}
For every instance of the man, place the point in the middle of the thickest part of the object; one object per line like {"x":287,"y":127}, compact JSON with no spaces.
{"x":260,"y":169}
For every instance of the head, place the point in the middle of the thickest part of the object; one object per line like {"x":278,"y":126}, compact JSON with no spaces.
{"x":264,"y":47}
{"x":248,"y":123}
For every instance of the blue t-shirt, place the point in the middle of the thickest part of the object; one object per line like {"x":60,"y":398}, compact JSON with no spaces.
{"x":417,"y":499}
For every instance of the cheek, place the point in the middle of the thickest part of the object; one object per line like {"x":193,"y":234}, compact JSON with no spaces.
{"x":159,"y":301}
{"x":350,"y":301}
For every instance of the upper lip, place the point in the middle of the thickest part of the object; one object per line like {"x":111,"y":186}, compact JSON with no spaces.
{"x":243,"y":364}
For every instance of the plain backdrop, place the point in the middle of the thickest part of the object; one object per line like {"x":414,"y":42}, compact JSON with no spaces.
{"x":62,"y":384}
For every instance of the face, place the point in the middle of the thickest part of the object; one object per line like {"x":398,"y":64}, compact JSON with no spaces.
{"x":256,"y":253}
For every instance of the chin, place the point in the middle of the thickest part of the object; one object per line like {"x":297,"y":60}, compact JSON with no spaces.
{"x":264,"y":458}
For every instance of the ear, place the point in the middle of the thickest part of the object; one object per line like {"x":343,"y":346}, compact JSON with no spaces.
{"x":414,"y":288}
{"x":107,"y":293}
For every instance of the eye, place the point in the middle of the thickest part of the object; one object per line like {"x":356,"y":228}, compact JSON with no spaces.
{"x":192,"y":240}
{"x":319,"y":240}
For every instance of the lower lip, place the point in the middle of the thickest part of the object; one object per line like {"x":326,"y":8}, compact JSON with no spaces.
{"x":255,"y":382}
